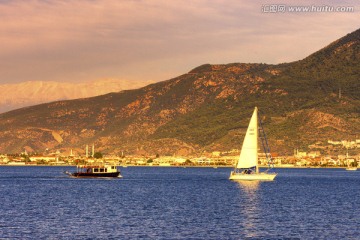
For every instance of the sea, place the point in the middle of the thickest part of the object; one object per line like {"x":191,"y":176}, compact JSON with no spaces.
{"x":178,"y":203}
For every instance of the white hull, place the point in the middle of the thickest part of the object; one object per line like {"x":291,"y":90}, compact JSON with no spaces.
{"x":351,"y":168}
{"x":253,"y":177}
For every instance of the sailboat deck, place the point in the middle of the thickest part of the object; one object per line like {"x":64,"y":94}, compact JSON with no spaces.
{"x":254,"y":176}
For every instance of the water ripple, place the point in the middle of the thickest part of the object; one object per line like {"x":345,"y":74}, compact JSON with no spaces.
{"x":177,"y":203}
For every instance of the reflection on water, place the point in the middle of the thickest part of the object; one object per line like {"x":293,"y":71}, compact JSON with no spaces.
{"x":249,"y":207}
{"x":249,"y":187}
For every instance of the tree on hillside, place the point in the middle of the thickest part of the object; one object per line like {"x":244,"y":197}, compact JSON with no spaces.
{"x":98,"y":155}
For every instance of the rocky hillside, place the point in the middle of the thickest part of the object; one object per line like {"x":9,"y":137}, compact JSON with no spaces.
{"x":206,"y":109}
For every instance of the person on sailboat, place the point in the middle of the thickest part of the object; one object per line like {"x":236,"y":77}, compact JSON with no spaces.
{"x":247,"y":171}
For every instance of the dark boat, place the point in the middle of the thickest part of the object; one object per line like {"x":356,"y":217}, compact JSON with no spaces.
{"x":104,"y":171}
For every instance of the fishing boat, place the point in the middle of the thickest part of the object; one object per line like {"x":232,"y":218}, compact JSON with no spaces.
{"x":96,"y":171}
{"x":247,"y":167}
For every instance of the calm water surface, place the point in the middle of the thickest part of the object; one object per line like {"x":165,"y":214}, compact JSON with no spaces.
{"x":178,"y":203}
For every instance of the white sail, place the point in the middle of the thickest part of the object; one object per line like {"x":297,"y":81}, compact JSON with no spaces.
{"x":249,"y":151}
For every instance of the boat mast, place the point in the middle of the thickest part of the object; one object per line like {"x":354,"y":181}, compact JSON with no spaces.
{"x":265,"y":143}
{"x":257,"y":135}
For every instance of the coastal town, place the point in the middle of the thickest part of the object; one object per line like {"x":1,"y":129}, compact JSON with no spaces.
{"x":349,"y":155}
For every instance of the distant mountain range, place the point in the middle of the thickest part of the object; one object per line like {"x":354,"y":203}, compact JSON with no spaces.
{"x":302,"y":104}
{"x":30,"y":93}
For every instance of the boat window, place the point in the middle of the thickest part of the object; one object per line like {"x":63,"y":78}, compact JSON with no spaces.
{"x":96,"y":169}
{"x":101,"y":170}
{"x":105,"y":169}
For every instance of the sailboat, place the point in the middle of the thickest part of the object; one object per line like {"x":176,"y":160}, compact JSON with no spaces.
{"x":246,"y":167}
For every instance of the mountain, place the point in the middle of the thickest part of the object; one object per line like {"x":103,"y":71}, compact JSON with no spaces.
{"x":35,"y":92}
{"x":303,"y":104}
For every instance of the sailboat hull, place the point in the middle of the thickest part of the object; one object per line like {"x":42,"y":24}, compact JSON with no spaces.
{"x":253,"y":176}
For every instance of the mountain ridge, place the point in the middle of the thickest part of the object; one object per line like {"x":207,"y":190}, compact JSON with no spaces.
{"x":206,"y":109}
{"x":29,"y":93}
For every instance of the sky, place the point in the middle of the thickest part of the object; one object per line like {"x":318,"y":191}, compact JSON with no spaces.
{"x":155,"y":40}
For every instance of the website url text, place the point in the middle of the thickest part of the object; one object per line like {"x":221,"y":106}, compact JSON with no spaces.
{"x":282,"y":8}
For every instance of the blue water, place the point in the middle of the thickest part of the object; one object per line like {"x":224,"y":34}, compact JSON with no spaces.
{"x":178,"y":203}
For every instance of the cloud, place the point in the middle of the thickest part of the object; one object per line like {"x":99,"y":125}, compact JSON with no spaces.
{"x":140,"y":39}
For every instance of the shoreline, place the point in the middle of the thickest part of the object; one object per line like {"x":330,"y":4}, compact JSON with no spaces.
{"x":185,"y":166}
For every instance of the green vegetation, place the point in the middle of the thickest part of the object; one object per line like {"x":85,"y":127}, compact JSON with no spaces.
{"x":312,"y":83}
{"x":314,"y":99}
{"x":98,"y":155}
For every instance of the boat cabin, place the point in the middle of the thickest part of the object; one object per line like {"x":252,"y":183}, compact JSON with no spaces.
{"x":99,"y":169}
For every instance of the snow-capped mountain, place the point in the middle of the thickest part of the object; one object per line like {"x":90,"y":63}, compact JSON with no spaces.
{"x":29,"y":93}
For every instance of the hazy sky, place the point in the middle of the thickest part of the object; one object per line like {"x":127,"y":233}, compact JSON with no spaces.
{"x":75,"y":41}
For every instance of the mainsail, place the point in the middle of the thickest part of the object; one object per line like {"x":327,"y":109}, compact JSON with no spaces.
{"x":249,"y":151}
